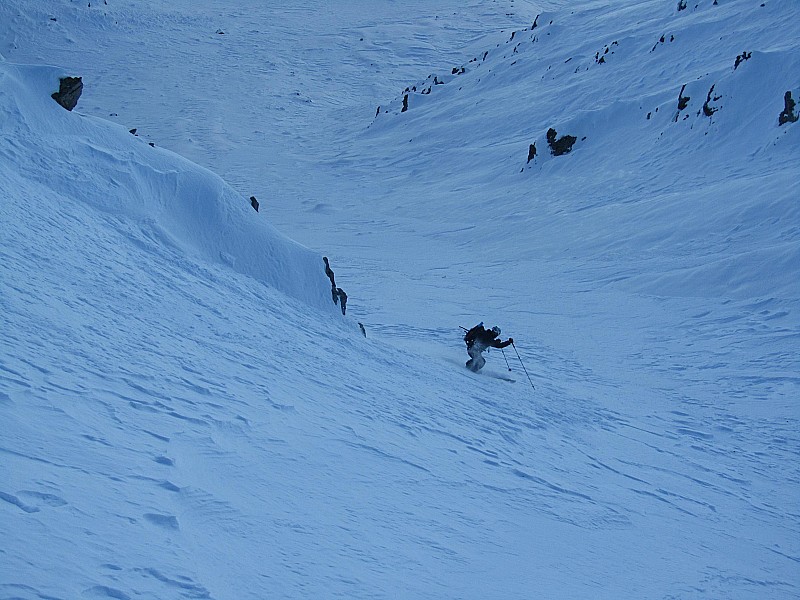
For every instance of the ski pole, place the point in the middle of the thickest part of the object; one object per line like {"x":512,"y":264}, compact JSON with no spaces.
{"x":523,"y":364}
{"x":504,"y":356}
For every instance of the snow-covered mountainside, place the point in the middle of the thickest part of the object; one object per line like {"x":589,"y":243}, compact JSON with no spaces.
{"x":184,"y":412}
{"x":55,"y":157}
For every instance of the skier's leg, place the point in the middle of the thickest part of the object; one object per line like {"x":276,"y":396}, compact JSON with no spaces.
{"x":472,"y":356}
{"x":476,"y":360}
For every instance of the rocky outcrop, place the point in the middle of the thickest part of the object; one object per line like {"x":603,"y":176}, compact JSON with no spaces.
{"x":532,"y":152}
{"x":788,"y":115}
{"x":69,"y":91}
{"x":709,"y":110}
{"x":683,"y":101}
{"x":740,"y":58}
{"x":561,"y":145}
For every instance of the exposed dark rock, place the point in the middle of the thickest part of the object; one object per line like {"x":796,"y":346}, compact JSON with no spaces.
{"x":662,"y":40}
{"x":342,"y":299}
{"x":741,"y":58}
{"x":330,"y":274}
{"x":337,"y":294}
{"x":254,"y":203}
{"x":683,"y":101}
{"x":69,"y":90}
{"x":681,"y":5}
{"x":788,"y":115}
{"x":600,"y":59}
{"x":561,"y":145}
{"x":132,"y":131}
{"x":532,"y":152}
{"x":709,"y":110}
{"x":405,"y":104}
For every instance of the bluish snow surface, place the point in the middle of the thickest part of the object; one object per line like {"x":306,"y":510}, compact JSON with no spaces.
{"x":184,"y":413}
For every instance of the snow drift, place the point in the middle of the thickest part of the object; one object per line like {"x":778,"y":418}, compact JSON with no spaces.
{"x":79,"y":158}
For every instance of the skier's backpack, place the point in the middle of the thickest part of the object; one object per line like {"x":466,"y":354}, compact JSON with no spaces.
{"x":473,"y":333}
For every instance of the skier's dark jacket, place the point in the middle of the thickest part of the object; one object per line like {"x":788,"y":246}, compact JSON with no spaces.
{"x":484,"y":338}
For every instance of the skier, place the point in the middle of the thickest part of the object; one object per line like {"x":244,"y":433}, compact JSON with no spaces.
{"x":478,"y":339}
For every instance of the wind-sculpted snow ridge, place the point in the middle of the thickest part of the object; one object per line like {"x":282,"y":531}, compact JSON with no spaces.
{"x":144,"y":188}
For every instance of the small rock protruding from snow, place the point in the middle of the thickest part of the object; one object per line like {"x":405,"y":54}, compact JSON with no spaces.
{"x":788,"y":115}
{"x":532,"y":152}
{"x":709,"y":110}
{"x":562,"y":145}
{"x":69,"y":91}
{"x":741,"y":58}
{"x":683,"y":102}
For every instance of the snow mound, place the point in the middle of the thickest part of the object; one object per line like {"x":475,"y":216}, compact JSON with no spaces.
{"x":78,"y":158}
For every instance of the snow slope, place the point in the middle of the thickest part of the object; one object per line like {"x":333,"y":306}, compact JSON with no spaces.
{"x":171,"y":200}
{"x":185,"y":414}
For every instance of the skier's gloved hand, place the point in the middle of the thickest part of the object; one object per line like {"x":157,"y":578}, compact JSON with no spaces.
{"x":511,"y":340}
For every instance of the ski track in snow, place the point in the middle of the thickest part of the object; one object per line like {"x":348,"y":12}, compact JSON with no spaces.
{"x":173,"y":428}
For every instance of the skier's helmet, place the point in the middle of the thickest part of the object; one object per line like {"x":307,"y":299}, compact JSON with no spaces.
{"x":496,"y":330}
